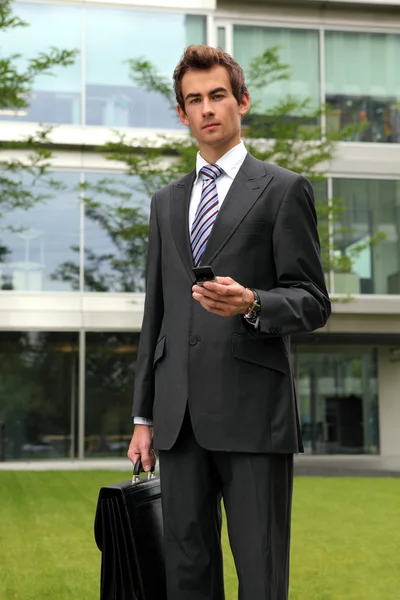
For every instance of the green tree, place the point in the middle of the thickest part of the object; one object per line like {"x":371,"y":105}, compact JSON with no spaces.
{"x":110,"y":206}
{"x":290,"y":135}
{"x":295,"y":140}
{"x":18,"y":178}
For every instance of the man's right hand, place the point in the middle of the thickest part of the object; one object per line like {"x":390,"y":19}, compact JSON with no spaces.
{"x":140,"y":446}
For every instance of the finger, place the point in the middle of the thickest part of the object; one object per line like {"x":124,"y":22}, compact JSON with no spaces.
{"x":233,"y":289}
{"x":229,"y":304}
{"x":197,"y":288}
{"x":133,"y":455}
{"x":204,"y":292}
{"x":220,"y":293}
{"x":224,"y":280}
{"x":146,"y":460}
{"x":208,"y":296}
{"x":220,"y":309}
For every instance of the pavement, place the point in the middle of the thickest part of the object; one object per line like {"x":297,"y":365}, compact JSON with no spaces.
{"x":305,"y":465}
{"x":347,"y":466}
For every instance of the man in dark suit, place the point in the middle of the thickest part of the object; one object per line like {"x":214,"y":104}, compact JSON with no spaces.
{"x":214,"y":379}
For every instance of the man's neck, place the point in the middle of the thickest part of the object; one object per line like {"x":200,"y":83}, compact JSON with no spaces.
{"x":212,"y":154}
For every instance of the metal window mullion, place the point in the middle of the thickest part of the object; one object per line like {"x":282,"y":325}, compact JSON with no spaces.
{"x":322,"y":78}
{"x":211,"y":30}
{"x":82,"y":236}
{"x":331,"y":236}
{"x":229,"y":38}
{"x":83,"y":68}
{"x":73,"y":407}
{"x":82,"y":334}
{"x":81,"y":398}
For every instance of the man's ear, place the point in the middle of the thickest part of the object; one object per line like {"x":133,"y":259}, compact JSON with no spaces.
{"x":182,"y":115}
{"x":244,"y":105}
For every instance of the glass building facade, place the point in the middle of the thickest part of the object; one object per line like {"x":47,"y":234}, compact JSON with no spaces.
{"x":102,"y":243}
{"x":39,"y":395}
{"x":354,"y":72}
{"x":363,"y":83}
{"x":98,"y":89}
{"x":66,"y":385}
{"x":338,"y":398}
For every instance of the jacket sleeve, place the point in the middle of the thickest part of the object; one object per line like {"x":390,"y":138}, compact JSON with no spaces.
{"x":300,"y":301}
{"x":152,"y":319}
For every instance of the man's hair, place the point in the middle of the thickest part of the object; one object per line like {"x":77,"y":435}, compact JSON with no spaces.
{"x":203,"y":58}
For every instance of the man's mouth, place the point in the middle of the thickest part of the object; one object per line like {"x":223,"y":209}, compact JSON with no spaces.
{"x":210,"y":125}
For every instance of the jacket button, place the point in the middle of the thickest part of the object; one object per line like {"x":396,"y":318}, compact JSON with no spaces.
{"x":193,"y":340}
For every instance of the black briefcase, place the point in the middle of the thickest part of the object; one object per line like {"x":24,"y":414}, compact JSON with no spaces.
{"x":129,"y":532}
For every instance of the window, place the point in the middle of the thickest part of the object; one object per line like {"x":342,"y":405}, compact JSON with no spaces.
{"x":38,"y":395}
{"x":299,"y":49}
{"x":363,"y":84}
{"x":113,"y":37}
{"x":338,"y":398}
{"x":221,"y":38}
{"x":370,"y":208}
{"x":55,"y":99}
{"x":39,"y":242}
{"x":110,"y":364}
{"x":320,"y":189}
{"x":116,"y":233}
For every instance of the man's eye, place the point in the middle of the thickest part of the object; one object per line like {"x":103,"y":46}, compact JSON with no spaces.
{"x":217,"y":96}
{"x":194,"y":100}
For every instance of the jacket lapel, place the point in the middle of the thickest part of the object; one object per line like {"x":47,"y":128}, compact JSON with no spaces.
{"x":250,"y":182}
{"x":180,"y":201}
{"x":248,"y":185}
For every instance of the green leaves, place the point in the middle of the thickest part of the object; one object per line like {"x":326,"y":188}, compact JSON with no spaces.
{"x":16,"y":82}
{"x":144,"y":74}
{"x":267,"y":68}
{"x":290,"y":135}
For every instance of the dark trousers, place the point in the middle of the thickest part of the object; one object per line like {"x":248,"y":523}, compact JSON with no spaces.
{"x":257,"y":494}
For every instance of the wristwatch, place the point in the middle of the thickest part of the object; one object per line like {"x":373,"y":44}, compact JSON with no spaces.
{"x":254,"y":310}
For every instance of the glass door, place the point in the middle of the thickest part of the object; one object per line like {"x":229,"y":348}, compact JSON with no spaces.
{"x":338,"y":402}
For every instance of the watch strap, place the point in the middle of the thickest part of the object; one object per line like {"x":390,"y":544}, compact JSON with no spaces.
{"x":254,"y":310}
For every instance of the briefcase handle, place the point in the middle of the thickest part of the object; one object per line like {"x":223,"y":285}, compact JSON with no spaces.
{"x":138,"y":468}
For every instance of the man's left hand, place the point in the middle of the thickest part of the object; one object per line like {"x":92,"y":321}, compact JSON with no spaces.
{"x":224,"y":297}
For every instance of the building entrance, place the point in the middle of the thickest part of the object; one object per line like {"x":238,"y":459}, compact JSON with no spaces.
{"x":338,"y":400}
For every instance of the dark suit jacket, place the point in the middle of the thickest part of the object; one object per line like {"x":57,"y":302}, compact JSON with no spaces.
{"x":238,"y":380}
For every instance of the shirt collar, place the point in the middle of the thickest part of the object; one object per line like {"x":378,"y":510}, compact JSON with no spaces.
{"x":230,"y":162}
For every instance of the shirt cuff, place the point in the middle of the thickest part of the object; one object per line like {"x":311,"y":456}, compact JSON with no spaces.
{"x":142,"y":421}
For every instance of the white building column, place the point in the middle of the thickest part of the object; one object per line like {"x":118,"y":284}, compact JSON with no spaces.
{"x":389,"y":403}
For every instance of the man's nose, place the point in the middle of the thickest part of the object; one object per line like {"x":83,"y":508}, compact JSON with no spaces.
{"x":207,"y":107}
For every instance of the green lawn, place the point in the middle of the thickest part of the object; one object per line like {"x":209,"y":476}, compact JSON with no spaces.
{"x":345,"y":542}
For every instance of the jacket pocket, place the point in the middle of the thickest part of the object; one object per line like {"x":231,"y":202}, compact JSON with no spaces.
{"x":251,"y":227}
{"x":259,"y":352}
{"x":160,"y":350}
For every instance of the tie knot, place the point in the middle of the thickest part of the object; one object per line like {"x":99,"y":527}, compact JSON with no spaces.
{"x":211,"y":172}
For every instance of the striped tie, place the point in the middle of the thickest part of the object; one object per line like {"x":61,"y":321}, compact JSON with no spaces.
{"x":206,"y":213}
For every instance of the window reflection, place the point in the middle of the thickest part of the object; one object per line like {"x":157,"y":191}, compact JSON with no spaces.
{"x":298,"y":48}
{"x":36,"y":240}
{"x":321,"y":204}
{"x":110,"y":364}
{"x":116,"y":233}
{"x":112,"y":97}
{"x":38,"y":395}
{"x":338,"y":399}
{"x":370,"y":207}
{"x":363,"y":84}
{"x":57,"y":98}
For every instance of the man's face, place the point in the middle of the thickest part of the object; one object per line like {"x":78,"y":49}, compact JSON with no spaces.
{"x":211,"y":109}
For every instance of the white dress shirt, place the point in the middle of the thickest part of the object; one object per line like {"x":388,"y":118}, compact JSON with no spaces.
{"x":230,"y":163}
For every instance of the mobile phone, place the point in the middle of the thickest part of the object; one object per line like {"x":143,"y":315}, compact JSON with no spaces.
{"x":203,"y":274}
